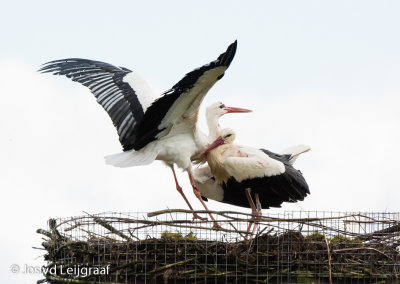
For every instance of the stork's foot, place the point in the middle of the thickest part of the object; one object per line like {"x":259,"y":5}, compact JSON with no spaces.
{"x":197,"y":216}
{"x":216,"y":226}
{"x":251,"y":223}
{"x":198,"y":195}
{"x":251,"y":231}
{"x":255,"y":222}
{"x":255,"y":211}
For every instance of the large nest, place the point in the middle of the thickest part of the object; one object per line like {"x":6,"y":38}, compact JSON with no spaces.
{"x":127,"y":248}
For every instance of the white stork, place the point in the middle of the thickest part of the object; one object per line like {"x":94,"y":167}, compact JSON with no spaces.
{"x":151,"y":129}
{"x":238,"y":174}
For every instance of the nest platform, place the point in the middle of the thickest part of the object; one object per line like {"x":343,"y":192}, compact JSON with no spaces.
{"x":168,"y":247}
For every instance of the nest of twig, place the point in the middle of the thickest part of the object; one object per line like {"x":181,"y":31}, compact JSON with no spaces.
{"x":313,"y":249}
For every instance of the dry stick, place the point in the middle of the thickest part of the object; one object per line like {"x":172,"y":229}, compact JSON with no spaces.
{"x":74,"y":219}
{"x":44,"y":232}
{"x":236,"y":230}
{"x":111,"y":228}
{"x":96,"y":235}
{"x":262,"y":231}
{"x":168,"y":211}
{"x":330,"y":228}
{"x":373,"y":220}
{"x":172,"y":224}
{"x":221,"y":213}
{"x":383,"y":239}
{"x":263,"y":218}
{"x":72,"y":227}
{"x":392,"y":229}
{"x":362,"y":248}
{"x":128,"y":221}
{"x":329,"y":254}
{"x":171,"y":265}
{"x":132,"y":235}
{"x":396,"y":273}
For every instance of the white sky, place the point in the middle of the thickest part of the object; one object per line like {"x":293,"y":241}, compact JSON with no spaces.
{"x":321,"y":73}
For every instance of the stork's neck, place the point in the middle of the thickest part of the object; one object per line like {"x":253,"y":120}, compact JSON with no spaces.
{"x":213,"y":126}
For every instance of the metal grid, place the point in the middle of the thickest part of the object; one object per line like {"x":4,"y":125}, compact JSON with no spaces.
{"x":168,"y":247}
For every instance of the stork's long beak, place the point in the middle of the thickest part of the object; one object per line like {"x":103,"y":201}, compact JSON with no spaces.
{"x":236,"y":110}
{"x":215,"y":144}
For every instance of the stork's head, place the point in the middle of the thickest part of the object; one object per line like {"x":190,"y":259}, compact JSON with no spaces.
{"x":218,"y":109}
{"x":227,"y":136}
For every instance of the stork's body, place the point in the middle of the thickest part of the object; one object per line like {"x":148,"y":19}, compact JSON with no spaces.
{"x":271,"y":189}
{"x":149,"y":129}
{"x":239,"y":174}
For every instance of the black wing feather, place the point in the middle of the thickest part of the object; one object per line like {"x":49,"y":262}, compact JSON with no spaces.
{"x":148,"y":128}
{"x":282,"y":158}
{"x":106,"y":83}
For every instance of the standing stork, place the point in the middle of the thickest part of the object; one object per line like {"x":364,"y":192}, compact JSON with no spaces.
{"x":150,"y":128}
{"x":238,"y":175}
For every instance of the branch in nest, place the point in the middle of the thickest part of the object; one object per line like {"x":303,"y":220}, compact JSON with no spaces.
{"x":111,"y":228}
{"x":171,"y":265}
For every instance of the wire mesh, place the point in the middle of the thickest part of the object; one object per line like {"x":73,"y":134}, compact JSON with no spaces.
{"x":168,"y":247}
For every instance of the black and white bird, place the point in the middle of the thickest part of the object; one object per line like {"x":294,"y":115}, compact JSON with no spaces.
{"x":151,"y":128}
{"x":238,"y":175}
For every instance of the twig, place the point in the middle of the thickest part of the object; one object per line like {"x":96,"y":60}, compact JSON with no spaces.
{"x":236,"y":230}
{"x":111,"y":228}
{"x":362,"y":248}
{"x":169,"y":211}
{"x":392,"y":229}
{"x":44,"y":232}
{"x":72,"y":227}
{"x":329,"y":255}
{"x":175,"y":223}
{"x":171,"y":265}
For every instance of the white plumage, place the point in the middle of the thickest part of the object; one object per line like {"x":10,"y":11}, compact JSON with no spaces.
{"x":143,"y":90}
{"x":256,"y":165}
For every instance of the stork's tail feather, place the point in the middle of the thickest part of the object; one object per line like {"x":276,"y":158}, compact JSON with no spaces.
{"x":207,"y":185}
{"x":202,"y":175}
{"x":130,"y":158}
{"x":294,"y":152}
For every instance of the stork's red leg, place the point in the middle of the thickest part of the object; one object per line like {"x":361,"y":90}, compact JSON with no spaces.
{"x":179,"y":189}
{"x":258,"y":213}
{"x":198,"y":195}
{"x":253,"y":210}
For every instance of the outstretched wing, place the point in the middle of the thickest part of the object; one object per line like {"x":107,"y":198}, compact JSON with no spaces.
{"x":123,"y":94}
{"x":182,"y":100}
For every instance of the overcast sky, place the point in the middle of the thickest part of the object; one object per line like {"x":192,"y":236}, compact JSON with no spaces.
{"x":320,"y":73}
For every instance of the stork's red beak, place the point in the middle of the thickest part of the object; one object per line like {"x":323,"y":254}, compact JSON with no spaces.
{"x":215,"y":144}
{"x":236,"y":110}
